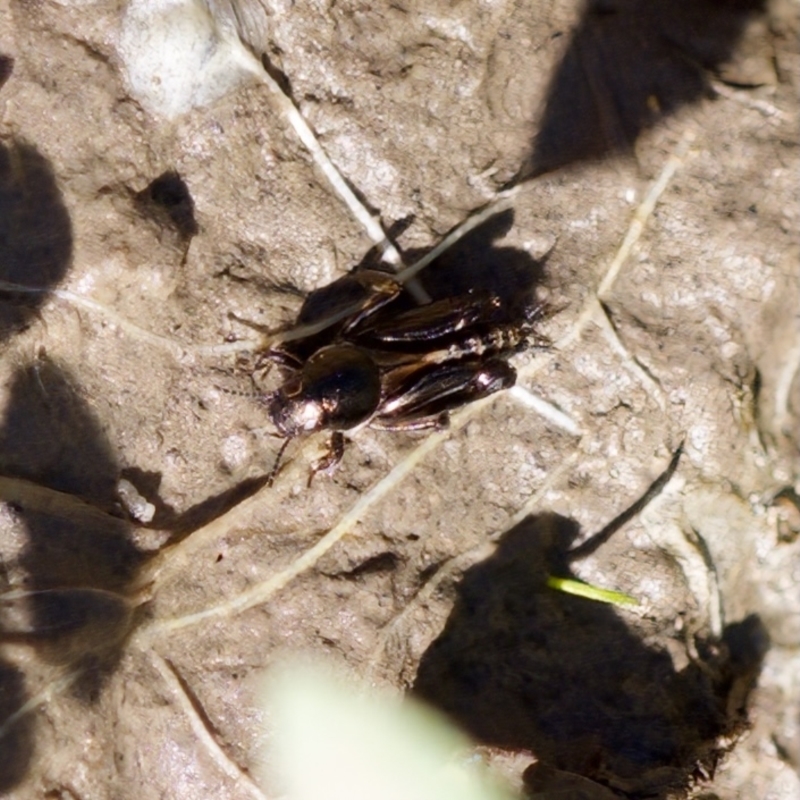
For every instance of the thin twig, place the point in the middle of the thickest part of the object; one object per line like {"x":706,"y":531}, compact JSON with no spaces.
{"x":656,"y":487}
{"x":201,"y":727}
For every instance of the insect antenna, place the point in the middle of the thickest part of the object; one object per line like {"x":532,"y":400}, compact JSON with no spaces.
{"x":251,"y":395}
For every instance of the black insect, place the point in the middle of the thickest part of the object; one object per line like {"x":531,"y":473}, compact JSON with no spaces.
{"x":386,"y":365}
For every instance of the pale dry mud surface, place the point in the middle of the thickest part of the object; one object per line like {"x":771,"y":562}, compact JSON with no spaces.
{"x":134,"y":237}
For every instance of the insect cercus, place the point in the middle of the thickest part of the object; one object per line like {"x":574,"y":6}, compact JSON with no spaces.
{"x":386,"y":365}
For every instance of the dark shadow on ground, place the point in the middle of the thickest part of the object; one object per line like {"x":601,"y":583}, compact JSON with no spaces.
{"x":524,"y":667}
{"x":629,"y":65}
{"x":17,"y":742}
{"x":77,"y":560}
{"x":35,"y":233}
{"x":167,"y":200}
{"x":35,"y":250}
{"x":50,"y":436}
{"x":6,"y":68}
{"x":478,"y":262}
{"x":180,"y":525}
{"x":78,"y":563}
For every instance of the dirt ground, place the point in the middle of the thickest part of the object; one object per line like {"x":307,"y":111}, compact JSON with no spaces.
{"x":155,"y":198}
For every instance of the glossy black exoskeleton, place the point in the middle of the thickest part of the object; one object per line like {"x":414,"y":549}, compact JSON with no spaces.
{"x":386,"y":367}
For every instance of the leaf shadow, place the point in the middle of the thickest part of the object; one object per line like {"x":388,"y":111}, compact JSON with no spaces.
{"x":50,"y":437}
{"x":67,"y":597}
{"x":35,"y":252}
{"x":35,"y":233}
{"x":629,"y":65}
{"x":523,"y":667}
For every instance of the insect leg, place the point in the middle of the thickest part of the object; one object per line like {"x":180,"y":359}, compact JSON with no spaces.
{"x":435,"y":422}
{"x":279,"y":357}
{"x":273,"y":473}
{"x":432,"y":322}
{"x":383,"y":289}
{"x":331,"y":459}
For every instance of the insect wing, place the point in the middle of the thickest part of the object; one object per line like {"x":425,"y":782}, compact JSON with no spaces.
{"x":431,"y":323}
{"x":429,"y":391}
{"x":329,"y":312}
{"x":350,"y":297}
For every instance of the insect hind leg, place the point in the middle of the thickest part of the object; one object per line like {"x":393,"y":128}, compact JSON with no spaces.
{"x":331,"y":459}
